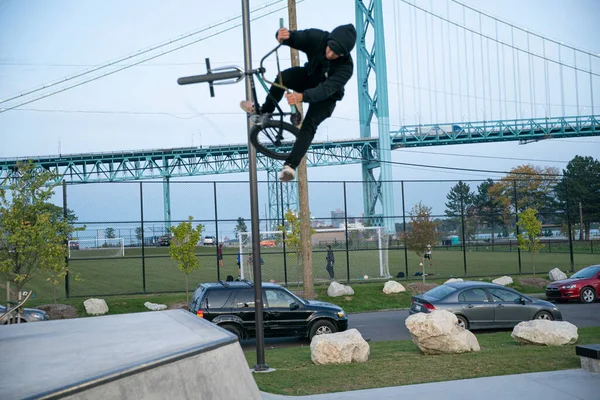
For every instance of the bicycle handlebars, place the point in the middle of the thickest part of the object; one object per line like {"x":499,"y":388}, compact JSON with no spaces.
{"x":211,"y":78}
{"x":231,"y":74}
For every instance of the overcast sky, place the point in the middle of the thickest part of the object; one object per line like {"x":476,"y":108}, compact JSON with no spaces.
{"x":143,"y":107}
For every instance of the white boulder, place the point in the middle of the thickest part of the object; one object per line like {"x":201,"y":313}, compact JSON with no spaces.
{"x":544,"y":332}
{"x":339,"y":348}
{"x":337,"y":289}
{"x":154,"y":306}
{"x":503,"y":280}
{"x":556,"y":275}
{"x":95,"y":306}
{"x":453,"y":280}
{"x":393,"y":287}
{"x":438,"y":333}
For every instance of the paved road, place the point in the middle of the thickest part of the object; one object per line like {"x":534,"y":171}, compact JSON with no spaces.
{"x":389,"y":325}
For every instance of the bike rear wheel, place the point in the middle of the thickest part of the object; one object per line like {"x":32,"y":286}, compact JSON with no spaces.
{"x":274,"y":139}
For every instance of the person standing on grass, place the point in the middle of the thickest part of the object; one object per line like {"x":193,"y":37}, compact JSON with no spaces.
{"x":220,"y":254}
{"x":330,"y":260}
{"x":428,"y":255}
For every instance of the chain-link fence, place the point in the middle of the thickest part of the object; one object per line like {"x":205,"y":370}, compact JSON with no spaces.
{"x":476,"y":230}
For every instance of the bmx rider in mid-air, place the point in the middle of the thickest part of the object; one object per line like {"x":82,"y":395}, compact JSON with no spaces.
{"x":320,"y":83}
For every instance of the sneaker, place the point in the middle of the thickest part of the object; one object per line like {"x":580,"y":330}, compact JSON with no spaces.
{"x":247,"y":106}
{"x":287,"y":174}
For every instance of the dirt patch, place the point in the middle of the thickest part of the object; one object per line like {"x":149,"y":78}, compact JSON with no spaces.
{"x":420,"y":287}
{"x":534,"y":282}
{"x":176,"y":306}
{"x":59,"y":311}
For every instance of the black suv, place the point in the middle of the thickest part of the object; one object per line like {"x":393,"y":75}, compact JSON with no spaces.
{"x":164,"y":240}
{"x":230,"y":305}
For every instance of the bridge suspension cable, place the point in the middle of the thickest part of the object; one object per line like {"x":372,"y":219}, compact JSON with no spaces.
{"x":476,"y":66}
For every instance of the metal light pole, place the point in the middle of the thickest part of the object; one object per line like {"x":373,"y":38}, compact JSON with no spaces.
{"x":258,"y":305}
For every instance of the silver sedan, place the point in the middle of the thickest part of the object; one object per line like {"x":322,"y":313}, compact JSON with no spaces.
{"x":27,"y":315}
{"x":482,"y":305}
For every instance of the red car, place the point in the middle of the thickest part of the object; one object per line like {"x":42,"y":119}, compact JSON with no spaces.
{"x":583,"y":285}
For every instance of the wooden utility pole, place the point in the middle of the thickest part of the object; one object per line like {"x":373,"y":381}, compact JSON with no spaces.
{"x":309,"y":287}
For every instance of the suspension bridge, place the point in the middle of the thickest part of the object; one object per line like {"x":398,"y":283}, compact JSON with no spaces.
{"x":462,"y":65}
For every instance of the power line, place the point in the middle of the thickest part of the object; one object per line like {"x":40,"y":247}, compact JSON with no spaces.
{"x":480,"y":156}
{"x":412,"y":166}
{"x":455,"y":168}
{"x":112,"y":64}
{"x":178,"y":115}
{"x":25,"y":64}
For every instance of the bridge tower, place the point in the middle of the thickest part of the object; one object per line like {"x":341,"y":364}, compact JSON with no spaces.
{"x":280,"y":197}
{"x":371,"y":59}
{"x":167,"y":202}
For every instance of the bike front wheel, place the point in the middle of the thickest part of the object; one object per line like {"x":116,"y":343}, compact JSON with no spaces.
{"x":274,"y":139}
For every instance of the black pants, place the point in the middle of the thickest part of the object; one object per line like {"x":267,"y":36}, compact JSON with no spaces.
{"x":329,"y":269}
{"x":296,"y":79}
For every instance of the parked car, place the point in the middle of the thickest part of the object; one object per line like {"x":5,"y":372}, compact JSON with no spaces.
{"x":209,"y":240}
{"x":483,"y":305}
{"x":230,"y":305}
{"x":74,"y":245}
{"x":27,"y":315}
{"x":164,"y":240}
{"x":268,"y":243}
{"x":584,"y":285}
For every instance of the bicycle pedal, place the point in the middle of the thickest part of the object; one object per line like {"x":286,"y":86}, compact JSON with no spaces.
{"x":296,"y":119}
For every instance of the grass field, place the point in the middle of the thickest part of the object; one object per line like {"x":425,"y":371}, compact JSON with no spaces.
{"x":124,"y":275}
{"x":400,"y":363}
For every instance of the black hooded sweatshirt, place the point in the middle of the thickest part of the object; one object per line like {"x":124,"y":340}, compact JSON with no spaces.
{"x":330,"y":77}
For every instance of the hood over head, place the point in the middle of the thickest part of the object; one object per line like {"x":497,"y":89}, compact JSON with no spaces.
{"x":342,"y":40}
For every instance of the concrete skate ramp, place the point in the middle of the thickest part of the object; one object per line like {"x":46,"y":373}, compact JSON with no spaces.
{"x":152,"y":355}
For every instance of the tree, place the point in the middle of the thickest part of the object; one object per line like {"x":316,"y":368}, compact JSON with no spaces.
{"x":57,"y":272}
{"x":488,"y":212}
{"x":291,"y":232}
{"x":183,"y":248}
{"x":240,"y":227}
{"x":57,"y":214}
{"x":32,"y":237}
{"x":460,"y":202}
{"x":109,"y":233}
{"x":422,"y":230}
{"x":529,"y":239}
{"x":580,"y":184}
{"x":532,"y":186}
{"x":139,"y":233}
{"x":445,"y":225}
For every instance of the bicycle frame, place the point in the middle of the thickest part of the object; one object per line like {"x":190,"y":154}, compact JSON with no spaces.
{"x":232,"y":74}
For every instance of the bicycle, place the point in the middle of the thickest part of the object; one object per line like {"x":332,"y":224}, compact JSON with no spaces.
{"x":270,"y":134}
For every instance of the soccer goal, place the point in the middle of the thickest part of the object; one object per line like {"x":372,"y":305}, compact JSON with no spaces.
{"x":364,"y":251}
{"x":271,"y":243}
{"x":96,"y":248}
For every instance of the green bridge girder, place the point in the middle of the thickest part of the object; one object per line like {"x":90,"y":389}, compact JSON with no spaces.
{"x":197,"y":161}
